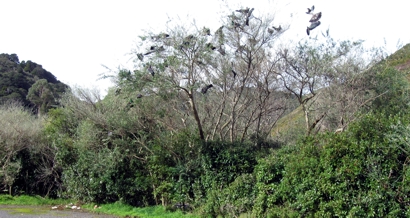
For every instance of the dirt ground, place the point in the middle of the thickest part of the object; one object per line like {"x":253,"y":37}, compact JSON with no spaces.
{"x":12,"y":211}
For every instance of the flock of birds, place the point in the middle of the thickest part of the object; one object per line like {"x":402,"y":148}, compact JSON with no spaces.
{"x":236,"y":22}
{"x":314,"y":21}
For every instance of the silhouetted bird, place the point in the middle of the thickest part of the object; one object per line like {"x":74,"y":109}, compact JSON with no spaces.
{"x":243,"y":11}
{"x":130,"y":104}
{"x":188,"y":39}
{"x":234,"y":74}
{"x":139,"y":96}
{"x":316,"y":17}
{"x":248,"y":17}
{"x":220,"y":34}
{"x":118,"y":91}
{"x":150,"y":52}
{"x":163,"y":35}
{"x":279,"y":28}
{"x":206,"y":31}
{"x":160,"y":36}
{"x":310,"y":10}
{"x":150,"y":70}
{"x":140,"y":56}
{"x":270,"y":31}
{"x":240,"y":49}
{"x":312,"y":26}
{"x":210,"y":46}
{"x":205,"y":89}
{"x":221,"y":50}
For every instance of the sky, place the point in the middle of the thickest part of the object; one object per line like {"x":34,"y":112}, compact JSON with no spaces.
{"x":75,"y":39}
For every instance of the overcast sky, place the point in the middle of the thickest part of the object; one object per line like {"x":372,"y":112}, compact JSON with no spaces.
{"x":73,"y":39}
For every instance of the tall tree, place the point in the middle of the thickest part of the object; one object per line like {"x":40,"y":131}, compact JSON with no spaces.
{"x":222,"y":80}
{"x":41,"y":94}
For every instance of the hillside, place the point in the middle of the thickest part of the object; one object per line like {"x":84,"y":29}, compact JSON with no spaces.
{"x":17,"y":77}
{"x":293,"y":123}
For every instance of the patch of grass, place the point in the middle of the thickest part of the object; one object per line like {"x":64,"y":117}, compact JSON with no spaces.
{"x":120,"y":209}
{"x":30,"y":200}
{"x":117,"y":209}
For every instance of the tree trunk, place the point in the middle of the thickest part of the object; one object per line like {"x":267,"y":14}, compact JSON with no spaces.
{"x":197,"y":119}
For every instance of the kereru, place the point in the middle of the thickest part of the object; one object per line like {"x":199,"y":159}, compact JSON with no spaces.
{"x":150,"y":52}
{"x":210,"y":46}
{"x":160,"y":36}
{"x":316,"y":17}
{"x":248,"y":17}
{"x":220,"y":34}
{"x":188,"y":40}
{"x":150,"y":70}
{"x":140,"y":56}
{"x":310,"y":10}
{"x":221,"y":50}
{"x":279,"y":28}
{"x":205,"y":89}
{"x":243,"y":11}
{"x":234,"y":74}
{"x":206,"y":31}
{"x":312,"y":26}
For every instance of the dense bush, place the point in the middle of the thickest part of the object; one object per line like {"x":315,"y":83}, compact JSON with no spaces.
{"x":357,"y":173}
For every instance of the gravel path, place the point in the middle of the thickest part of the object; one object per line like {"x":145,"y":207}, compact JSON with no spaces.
{"x":8,"y":211}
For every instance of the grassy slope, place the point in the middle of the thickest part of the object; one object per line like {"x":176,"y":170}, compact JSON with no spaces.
{"x":294,"y":121}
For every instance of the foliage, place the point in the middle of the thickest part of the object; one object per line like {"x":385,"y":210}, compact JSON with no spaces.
{"x":17,"y":78}
{"x":356,"y":173}
{"x":20,"y":134}
{"x":190,"y":128}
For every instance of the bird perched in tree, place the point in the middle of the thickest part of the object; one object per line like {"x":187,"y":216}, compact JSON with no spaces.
{"x":130,"y":103}
{"x":248,"y":17}
{"x":188,"y":40}
{"x":205,"y":89}
{"x":160,"y":36}
{"x":312,"y":26}
{"x":150,"y":70}
{"x":206,"y":31}
{"x":220,"y":34}
{"x":140,"y":56}
{"x":155,"y":48}
{"x":316,"y":17}
{"x":148,"y":53}
{"x":234,"y":74}
{"x":139,"y":96}
{"x":210,"y":46}
{"x":118,"y":91}
{"x":279,"y":28}
{"x":310,"y":10}
{"x":221,"y":50}
{"x":243,"y":11}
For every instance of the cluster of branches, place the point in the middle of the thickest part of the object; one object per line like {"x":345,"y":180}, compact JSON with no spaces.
{"x":236,"y":83}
